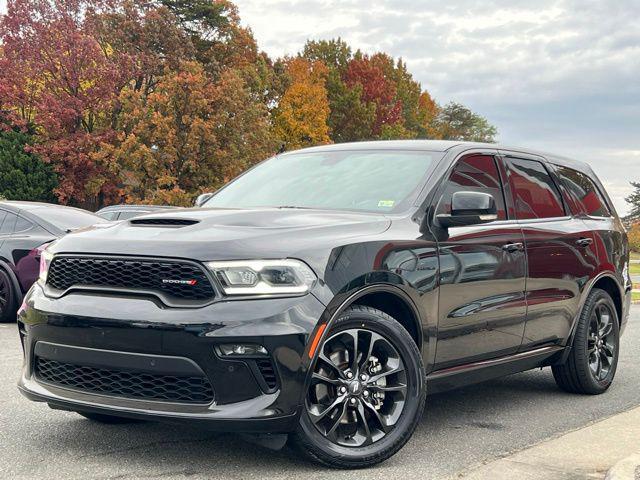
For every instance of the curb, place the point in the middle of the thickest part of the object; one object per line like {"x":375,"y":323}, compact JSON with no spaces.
{"x":626,"y":469}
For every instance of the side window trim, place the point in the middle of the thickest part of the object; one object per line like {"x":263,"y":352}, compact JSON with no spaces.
{"x":507,"y":193}
{"x":440,"y":190}
{"x":4,"y":218}
{"x":505,"y":156}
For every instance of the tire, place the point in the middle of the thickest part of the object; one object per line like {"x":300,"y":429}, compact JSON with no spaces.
{"x":107,"y":419}
{"x":390,"y":400}
{"x":580,"y":374}
{"x":8,"y":309}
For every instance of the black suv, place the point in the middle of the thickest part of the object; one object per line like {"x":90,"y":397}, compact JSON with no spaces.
{"x":324,"y":292}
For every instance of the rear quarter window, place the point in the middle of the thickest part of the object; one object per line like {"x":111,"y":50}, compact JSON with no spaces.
{"x":584,"y":195}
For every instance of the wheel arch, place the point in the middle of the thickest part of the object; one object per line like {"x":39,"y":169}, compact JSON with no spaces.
{"x":17,"y":291}
{"x":609,"y":285}
{"x":607,"y":282}
{"x":388,"y":298}
{"x":397,"y":305}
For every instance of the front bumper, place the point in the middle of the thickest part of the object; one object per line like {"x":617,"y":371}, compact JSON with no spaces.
{"x":141,"y":335}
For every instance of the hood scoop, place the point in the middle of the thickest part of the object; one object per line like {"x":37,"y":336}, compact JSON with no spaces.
{"x":163,"y":222}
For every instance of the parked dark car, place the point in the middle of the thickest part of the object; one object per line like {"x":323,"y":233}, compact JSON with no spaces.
{"x":25,"y":229}
{"x":325,"y":291}
{"x":127,"y":211}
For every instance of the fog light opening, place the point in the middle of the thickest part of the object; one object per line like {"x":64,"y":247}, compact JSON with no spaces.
{"x":241,"y":350}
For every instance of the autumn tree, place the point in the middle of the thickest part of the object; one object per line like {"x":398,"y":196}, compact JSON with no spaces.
{"x":55,"y":74}
{"x":300,"y":118}
{"x":149,"y":34}
{"x":158,"y":100}
{"x":427,"y":117}
{"x":633,"y":236}
{"x":377,"y":88}
{"x":214,"y":29}
{"x":187,"y":136}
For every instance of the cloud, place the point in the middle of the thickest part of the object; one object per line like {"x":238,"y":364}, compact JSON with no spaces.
{"x":556,"y":75}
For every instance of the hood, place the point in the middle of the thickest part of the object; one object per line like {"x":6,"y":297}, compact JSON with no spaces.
{"x":220,"y":234}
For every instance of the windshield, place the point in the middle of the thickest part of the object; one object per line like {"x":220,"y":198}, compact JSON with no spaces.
{"x":66,"y":218}
{"x":372,"y":181}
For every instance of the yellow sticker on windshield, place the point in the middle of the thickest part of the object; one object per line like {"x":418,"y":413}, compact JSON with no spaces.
{"x":386,"y":203}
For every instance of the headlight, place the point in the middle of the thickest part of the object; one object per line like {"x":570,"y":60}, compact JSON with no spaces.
{"x":263,"y":277}
{"x":45,"y":261}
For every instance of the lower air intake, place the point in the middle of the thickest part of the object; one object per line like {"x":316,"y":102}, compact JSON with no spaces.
{"x":125,"y":384}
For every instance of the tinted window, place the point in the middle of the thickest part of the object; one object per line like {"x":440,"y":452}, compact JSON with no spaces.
{"x":586,"y":198}
{"x":475,"y":173}
{"x":66,"y":218}
{"x":110,"y":215}
{"x":536,"y":196}
{"x":127,"y":214}
{"x":8,"y":226}
{"x":377,"y":181}
{"x":22,"y":224}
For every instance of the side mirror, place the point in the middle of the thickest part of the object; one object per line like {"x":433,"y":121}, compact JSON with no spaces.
{"x":202,"y":198}
{"x":469,"y":208}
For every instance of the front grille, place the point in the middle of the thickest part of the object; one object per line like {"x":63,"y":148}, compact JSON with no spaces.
{"x":176,"y":280}
{"x":119,"y":383}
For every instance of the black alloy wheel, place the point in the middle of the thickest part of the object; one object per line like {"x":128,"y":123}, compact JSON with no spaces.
{"x":7,"y":299}
{"x":593,"y":359}
{"x":366,"y":392}
{"x":601,"y":344}
{"x":358,"y":389}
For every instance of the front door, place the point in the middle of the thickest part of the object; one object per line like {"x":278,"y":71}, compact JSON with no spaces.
{"x":482,"y":272}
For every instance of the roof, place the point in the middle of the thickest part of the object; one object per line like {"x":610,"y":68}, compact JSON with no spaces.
{"x":429,"y":145}
{"x":20,"y":205}
{"x":440,"y":146}
{"x":127,"y":206}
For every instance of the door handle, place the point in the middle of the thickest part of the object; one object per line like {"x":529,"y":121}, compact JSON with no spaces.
{"x":513,"y":247}
{"x":584,"y":242}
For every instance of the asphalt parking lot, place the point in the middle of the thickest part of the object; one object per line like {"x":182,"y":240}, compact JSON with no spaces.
{"x":459,"y":429}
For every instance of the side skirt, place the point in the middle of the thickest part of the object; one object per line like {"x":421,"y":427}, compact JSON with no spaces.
{"x":461,"y":375}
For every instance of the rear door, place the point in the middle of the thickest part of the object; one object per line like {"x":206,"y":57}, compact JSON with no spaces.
{"x":589,"y":203}
{"x":560,"y":257}
{"x":482,"y":272}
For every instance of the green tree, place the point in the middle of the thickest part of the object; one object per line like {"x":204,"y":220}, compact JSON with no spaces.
{"x":350,"y":117}
{"x":634,"y":201}
{"x":23,"y":175}
{"x":335,"y":54}
{"x":457,"y":122}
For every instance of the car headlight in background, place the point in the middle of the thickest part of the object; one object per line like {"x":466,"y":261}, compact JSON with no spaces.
{"x":45,"y":261}
{"x":263,"y":277}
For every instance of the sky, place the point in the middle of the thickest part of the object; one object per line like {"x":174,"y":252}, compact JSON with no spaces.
{"x":556,"y":75}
